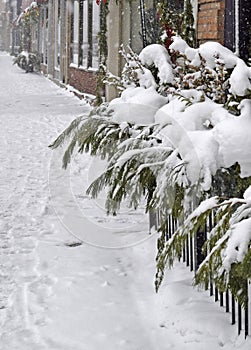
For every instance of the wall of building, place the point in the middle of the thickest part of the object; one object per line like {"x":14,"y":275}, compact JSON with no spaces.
{"x":64,"y":50}
{"x":5,"y":20}
{"x":2,"y":10}
{"x":210,"y":23}
{"x":83,"y":80}
{"x":123,"y":27}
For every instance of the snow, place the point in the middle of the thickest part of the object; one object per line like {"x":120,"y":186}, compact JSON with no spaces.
{"x":240,"y":79}
{"x":157,"y":55}
{"x":25,"y":54}
{"x":59,"y":294}
{"x":181,"y":46}
{"x":233,"y":137}
{"x":146,"y":78}
{"x":238,"y":243}
{"x":241,"y":75}
{"x":247,"y":193}
{"x":209,"y":51}
{"x":201,"y":157}
{"x":201,"y":134}
{"x":165,"y":114}
{"x":186,"y":131}
{"x":239,"y":234}
{"x":203,"y":207}
{"x":134,"y":153}
{"x":137,"y":105}
{"x":206,"y":135}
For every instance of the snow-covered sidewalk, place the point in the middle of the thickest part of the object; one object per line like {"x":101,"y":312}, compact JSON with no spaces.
{"x":71,"y":278}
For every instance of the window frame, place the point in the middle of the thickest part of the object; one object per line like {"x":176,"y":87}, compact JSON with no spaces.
{"x":83,"y":34}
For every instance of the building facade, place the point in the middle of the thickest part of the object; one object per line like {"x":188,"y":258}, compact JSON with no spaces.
{"x":66,"y":33}
{"x":5,"y":22}
{"x":228,"y":22}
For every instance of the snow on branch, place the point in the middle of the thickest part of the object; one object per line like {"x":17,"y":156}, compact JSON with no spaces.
{"x":178,"y":136}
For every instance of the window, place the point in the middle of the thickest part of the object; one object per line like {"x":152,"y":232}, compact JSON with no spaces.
{"x":75,"y":32}
{"x":89,"y":29}
{"x":85,"y":45}
{"x":84,"y":34}
{"x":238,"y":27}
{"x":244,"y":29}
{"x":95,"y":31}
{"x":44,"y":34}
{"x":57,"y":33}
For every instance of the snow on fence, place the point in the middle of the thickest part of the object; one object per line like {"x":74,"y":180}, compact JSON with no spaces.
{"x":192,"y":256}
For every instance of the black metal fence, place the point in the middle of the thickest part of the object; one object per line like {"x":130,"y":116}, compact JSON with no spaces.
{"x":193,"y":256}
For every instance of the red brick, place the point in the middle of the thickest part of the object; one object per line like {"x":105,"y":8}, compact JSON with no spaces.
{"x":83,"y":80}
{"x":210,"y":23}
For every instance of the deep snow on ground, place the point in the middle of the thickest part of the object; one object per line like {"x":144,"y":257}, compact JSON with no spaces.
{"x":55,"y":294}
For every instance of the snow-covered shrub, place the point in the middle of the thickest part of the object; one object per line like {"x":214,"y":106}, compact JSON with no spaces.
{"x":28,"y":61}
{"x":180,"y":126}
{"x":227,"y":249}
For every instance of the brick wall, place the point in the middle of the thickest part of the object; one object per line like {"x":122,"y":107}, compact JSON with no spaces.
{"x":210,"y":24}
{"x":82,"y":80}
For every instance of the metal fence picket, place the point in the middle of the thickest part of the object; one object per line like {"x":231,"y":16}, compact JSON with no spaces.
{"x":193,"y":256}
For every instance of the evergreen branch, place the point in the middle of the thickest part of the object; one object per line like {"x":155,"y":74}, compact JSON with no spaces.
{"x":69,"y":151}
{"x":67,"y":133}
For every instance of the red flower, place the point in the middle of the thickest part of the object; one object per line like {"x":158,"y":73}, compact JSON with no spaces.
{"x":98,"y":2}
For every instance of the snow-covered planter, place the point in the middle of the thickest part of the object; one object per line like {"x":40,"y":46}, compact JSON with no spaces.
{"x":180,"y":127}
{"x":28,"y":61}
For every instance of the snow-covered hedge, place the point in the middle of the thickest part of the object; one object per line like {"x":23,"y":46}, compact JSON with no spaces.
{"x":178,"y":133}
{"x":28,"y":61}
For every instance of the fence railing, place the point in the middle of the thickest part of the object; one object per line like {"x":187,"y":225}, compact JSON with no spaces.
{"x":192,"y":256}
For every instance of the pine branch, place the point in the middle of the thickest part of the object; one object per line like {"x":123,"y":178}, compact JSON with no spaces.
{"x":67,"y":133}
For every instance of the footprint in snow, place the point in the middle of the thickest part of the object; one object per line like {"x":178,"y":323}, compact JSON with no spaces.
{"x":42,"y":287}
